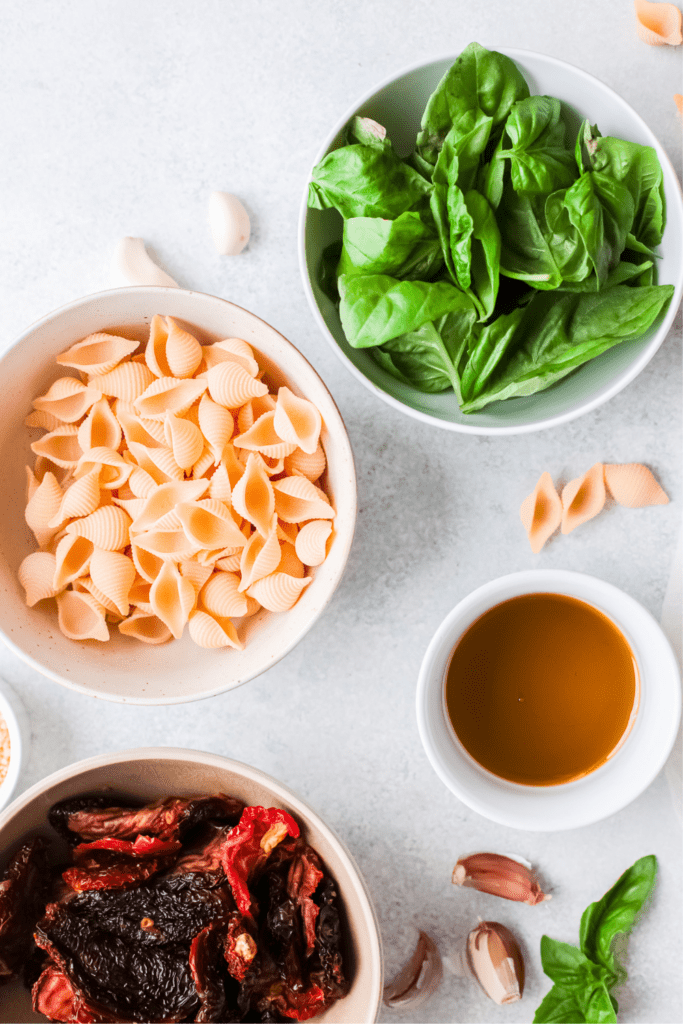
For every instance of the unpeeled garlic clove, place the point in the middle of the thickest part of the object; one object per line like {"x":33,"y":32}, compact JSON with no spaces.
{"x":132,"y":264}
{"x":419,"y":977}
{"x":500,"y":876}
{"x":496,"y":961}
{"x":229,"y":223}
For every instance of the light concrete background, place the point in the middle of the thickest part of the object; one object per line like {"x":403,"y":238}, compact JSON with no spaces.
{"x":119,"y":118}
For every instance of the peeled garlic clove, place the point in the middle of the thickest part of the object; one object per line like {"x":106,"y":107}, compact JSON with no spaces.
{"x":419,"y":977}
{"x":495,"y":961}
{"x":229,"y":223}
{"x":132,"y":264}
{"x":500,"y":876}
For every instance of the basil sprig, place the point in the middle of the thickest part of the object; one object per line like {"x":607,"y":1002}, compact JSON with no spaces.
{"x":583,"y":978}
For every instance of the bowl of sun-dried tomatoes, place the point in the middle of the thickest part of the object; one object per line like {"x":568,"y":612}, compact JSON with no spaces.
{"x":163,"y":884}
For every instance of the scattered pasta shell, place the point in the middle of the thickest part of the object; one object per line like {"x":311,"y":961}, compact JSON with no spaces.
{"x":113,"y":573}
{"x":36,"y":575}
{"x":206,"y":631}
{"x":253,"y":496}
{"x":100,"y":428}
{"x":678,"y":100}
{"x":583,"y":498}
{"x":541,"y":512}
{"x":208,"y":524}
{"x":126,"y":381}
{"x":297,"y":500}
{"x":80,"y":499}
{"x":172,"y":598}
{"x":81,"y":617}
{"x":310,"y":466}
{"x":60,"y":446}
{"x":43,"y":506}
{"x":167,"y":394}
{"x":184,"y":439}
{"x":260,"y":557}
{"x":290,"y":561}
{"x":98,"y":353}
{"x":146,"y":627}
{"x":231,"y":385}
{"x":72,"y":560}
{"x":68,"y":399}
{"x":42,"y":420}
{"x":311,"y":540}
{"x":634,"y":486}
{"x":221,"y":597}
{"x":107,"y":527}
{"x":183,"y":351}
{"x":230,"y":350}
{"x":658,"y":24}
{"x":217,"y":425}
{"x":262,"y":437}
{"x":279,"y":591}
{"x":297,"y":420}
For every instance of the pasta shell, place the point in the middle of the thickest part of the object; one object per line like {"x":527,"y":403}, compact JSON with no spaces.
{"x":208,"y":524}
{"x":634,"y":486}
{"x":80,"y":499}
{"x":155,"y":350}
{"x":81,"y":617}
{"x":209,"y":632}
{"x":251,"y":410}
{"x":253,"y":497}
{"x":229,"y":563}
{"x":261,"y":437}
{"x":233,"y":467}
{"x":279,"y":591}
{"x":220,"y":596}
{"x":167,"y":394}
{"x":36,"y":575}
{"x":297,"y":499}
{"x":139,"y":592}
{"x":261,"y":556}
{"x":133,"y":427}
{"x":127,"y":381}
{"x":194,"y":572}
{"x":230,"y":350}
{"x":183,"y":351}
{"x":311,"y":541}
{"x":107,"y":528}
{"x":541,"y":512}
{"x":184,"y":439}
{"x":60,"y":446}
{"x":219,"y":486}
{"x":658,"y":24}
{"x":98,"y":353}
{"x":310,"y":466}
{"x":143,"y":626}
{"x":172,"y":598}
{"x":141,"y":483}
{"x":157,"y":462}
{"x":216,"y":424}
{"x":43,"y":506}
{"x":133,"y":506}
{"x":68,"y":399}
{"x":84,"y":584}
{"x":231,"y":385}
{"x":297,"y":420}
{"x":169,"y":545}
{"x":290,"y":562}
{"x":113,"y":574}
{"x":147,"y":564}
{"x":42,"y":420}
{"x":165,"y":498}
{"x":100,"y":429}
{"x":112,"y":467}
{"x":583,"y":498}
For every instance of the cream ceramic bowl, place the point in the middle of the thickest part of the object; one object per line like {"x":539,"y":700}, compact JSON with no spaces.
{"x":158,"y":772}
{"x":611,"y":786}
{"x":19,"y":732}
{"x":122,"y":669}
{"x":398,"y":104}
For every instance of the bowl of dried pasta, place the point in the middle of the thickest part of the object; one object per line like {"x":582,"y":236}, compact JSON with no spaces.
{"x":180,"y":496}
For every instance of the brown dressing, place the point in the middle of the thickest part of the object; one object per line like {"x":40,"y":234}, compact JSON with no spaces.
{"x":541,"y":689}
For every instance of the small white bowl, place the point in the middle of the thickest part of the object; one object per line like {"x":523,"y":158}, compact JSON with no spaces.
{"x":15,"y":717}
{"x":611,"y":786}
{"x":123,"y":669}
{"x":154,"y":773}
{"x":398,"y":104}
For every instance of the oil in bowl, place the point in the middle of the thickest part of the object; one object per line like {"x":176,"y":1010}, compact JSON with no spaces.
{"x":542,"y":689}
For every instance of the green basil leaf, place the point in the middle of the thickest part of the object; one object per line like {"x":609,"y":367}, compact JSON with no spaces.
{"x":375,"y":308}
{"x":540,"y":160}
{"x":566,"y":245}
{"x":406,"y":248}
{"x":428,"y":357}
{"x":559,"y":1006}
{"x":480,"y":80}
{"x":366,"y":131}
{"x":564,"y":964}
{"x":525,"y":251}
{"x":624,"y":273}
{"x":596,"y":1004}
{"x":485,"y":246}
{"x":616,"y":912}
{"x":601,"y":210}
{"x":486,"y":354}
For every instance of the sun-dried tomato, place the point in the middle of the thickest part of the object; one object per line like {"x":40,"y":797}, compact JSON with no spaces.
{"x":305,"y":873}
{"x":121,"y":873}
{"x":22,"y":898}
{"x":247,"y":847}
{"x":144,"y":846}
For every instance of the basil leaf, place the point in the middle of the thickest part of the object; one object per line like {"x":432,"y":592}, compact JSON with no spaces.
{"x":601,"y":210}
{"x":480,"y":80}
{"x":559,"y":1006}
{"x":404,"y":248}
{"x":616,"y":912}
{"x":564,"y":964}
{"x":540,"y":161}
{"x":485,"y":246}
{"x":487,"y":353}
{"x":525,"y":251}
{"x":375,"y":308}
{"x":623,"y":273}
{"x":428,"y":357}
{"x":366,"y":181}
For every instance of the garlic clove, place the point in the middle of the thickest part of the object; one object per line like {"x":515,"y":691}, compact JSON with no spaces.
{"x":500,"y":876}
{"x":419,"y":977}
{"x":496,"y":962}
{"x":229,"y":223}
{"x":132,"y":264}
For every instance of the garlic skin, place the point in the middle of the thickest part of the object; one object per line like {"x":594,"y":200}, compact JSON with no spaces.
{"x":499,"y":876}
{"x":229,"y":223}
{"x":131,"y":264}
{"x":419,"y":977}
{"x":496,"y":962}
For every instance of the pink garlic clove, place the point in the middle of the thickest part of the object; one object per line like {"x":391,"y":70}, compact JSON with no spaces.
{"x":419,"y":977}
{"x":496,"y":962}
{"x":500,"y":876}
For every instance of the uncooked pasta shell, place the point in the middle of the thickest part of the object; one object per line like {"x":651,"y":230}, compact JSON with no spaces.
{"x":113,"y":573}
{"x":132,"y":426}
{"x":42,"y":507}
{"x":290,"y":561}
{"x":229,"y":563}
{"x":194,"y":572}
{"x":80,"y":499}
{"x":164,"y":498}
{"x":100,"y":428}
{"x":658,"y":24}
{"x":36,"y":575}
{"x":220,"y":596}
{"x":85,"y":584}
{"x":184,"y":439}
{"x":253,"y":496}
{"x":42,"y":420}
{"x":114,"y":471}
{"x":311,"y":541}
{"x":81,"y":617}
{"x":251,"y":410}
{"x":297,"y":500}
{"x":68,"y":399}
{"x":231,"y":385}
{"x":60,"y":446}
{"x":219,"y":486}
{"x":208,"y":524}
{"x":107,"y":527}
{"x":583,"y":498}
{"x":297,"y":420}
{"x":261,"y":437}
{"x":168,"y":545}
{"x":541,"y":512}
{"x":168,"y":394}
{"x":141,"y":484}
{"x":172,"y":598}
{"x":310,"y":466}
{"x":217,"y":425}
{"x":261,"y":556}
{"x":633,"y":485}
{"x":98,"y":353}
{"x":279,"y":591}
{"x":155,"y":349}
{"x":183,"y":351}
{"x":158,"y":462}
{"x":146,"y":562}
{"x":206,"y":631}
{"x":127,"y":381}
{"x":230,"y":350}
{"x":145,"y":627}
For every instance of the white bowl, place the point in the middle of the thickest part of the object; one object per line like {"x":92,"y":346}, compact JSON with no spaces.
{"x":398,"y":104}
{"x":19,"y":731}
{"x":122,"y":669}
{"x":611,"y":786}
{"x":157,"y":772}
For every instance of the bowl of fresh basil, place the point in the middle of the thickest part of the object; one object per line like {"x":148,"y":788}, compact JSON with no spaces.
{"x":493,"y":245}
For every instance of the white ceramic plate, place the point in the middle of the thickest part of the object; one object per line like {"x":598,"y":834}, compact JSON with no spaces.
{"x":398,"y":104}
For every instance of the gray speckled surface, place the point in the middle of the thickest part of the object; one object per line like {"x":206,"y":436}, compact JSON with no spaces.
{"x":123,"y":117}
